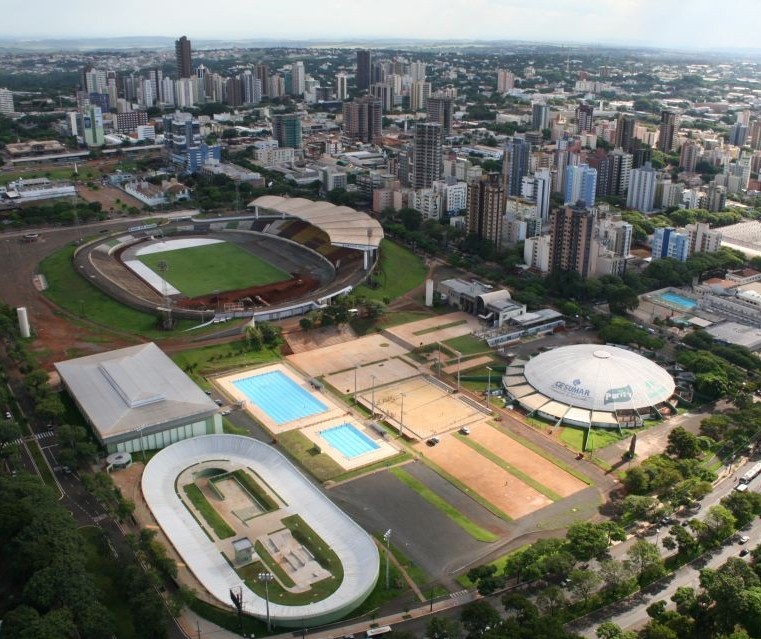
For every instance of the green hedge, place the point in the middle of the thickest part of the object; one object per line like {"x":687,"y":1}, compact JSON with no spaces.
{"x":255,"y":490}
{"x":220,"y":527}
{"x":308,"y":538}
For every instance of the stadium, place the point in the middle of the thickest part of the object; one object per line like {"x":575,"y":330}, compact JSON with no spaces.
{"x":285,"y":257}
{"x":591,"y":385}
{"x":235,"y":509}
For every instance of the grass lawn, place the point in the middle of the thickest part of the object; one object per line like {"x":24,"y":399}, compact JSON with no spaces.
{"x":470,"y":527}
{"x":220,"y":527}
{"x":201,"y":270}
{"x":208,"y":360}
{"x":303,"y":450}
{"x":363,"y":325}
{"x":600,"y":438}
{"x":498,"y":563}
{"x":440,"y":327}
{"x":400,"y":271}
{"x":73,"y":293}
{"x":85,"y":173}
{"x":468,"y":345}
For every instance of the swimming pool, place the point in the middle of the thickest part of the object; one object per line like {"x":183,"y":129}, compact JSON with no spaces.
{"x":348,"y":441}
{"x":279,"y":396}
{"x":680,"y":301}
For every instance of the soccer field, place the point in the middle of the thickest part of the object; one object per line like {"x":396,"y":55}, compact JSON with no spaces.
{"x":201,"y":270}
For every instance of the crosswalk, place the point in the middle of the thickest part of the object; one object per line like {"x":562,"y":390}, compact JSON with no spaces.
{"x":459,"y":593}
{"x":37,"y":436}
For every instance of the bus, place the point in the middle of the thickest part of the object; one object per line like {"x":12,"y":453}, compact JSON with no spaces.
{"x":754,"y":472}
{"x":380,"y":630}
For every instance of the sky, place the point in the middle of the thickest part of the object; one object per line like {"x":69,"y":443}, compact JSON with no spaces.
{"x":695,"y":24}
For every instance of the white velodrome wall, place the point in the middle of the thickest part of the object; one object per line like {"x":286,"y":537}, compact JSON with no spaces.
{"x":354,"y":546}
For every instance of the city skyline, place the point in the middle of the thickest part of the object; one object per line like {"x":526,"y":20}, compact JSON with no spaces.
{"x":627,"y":22}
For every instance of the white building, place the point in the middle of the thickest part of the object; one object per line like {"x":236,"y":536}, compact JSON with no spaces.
{"x":6,"y":101}
{"x":536,"y":252}
{"x":455,"y":196}
{"x":641,"y":194}
{"x":702,"y":239}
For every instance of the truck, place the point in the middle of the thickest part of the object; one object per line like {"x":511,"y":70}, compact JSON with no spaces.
{"x":752,"y":473}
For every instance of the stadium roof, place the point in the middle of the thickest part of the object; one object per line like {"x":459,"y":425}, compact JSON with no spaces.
{"x":354,"y":547}
{"x":133,"y":389}
{"x":344,"y":225}
{"x":600,"y":378}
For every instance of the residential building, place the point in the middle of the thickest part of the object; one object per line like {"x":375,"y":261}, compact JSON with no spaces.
{"x":625,"y":132}
{"x":486,"y":207}
{"x":614,"y":173}
{"x":702,"y":239}
{"x":668,"y":242}
{"x":536,"y":252}
{"x":537,"y":188}
{"x":385,"y":93}
{"x":540,"y":116}
{"x":641,"y":194}
{"x":298,"y":78}
{"x":441,"y":110}
{"x":689,"y":156}
{"x":668,"y":130}
{"x":580,"y":185}
{"x":428,"y":165}
{"x":342,"y":86}
{"x":419,"y":93}
{"x":505,"y":80}
{"x":6,"y":102}
{"x":129,"y":121}
{"x":362,"y":119}
{"x":183,"y":143}
{"x":286,"y":129}
{"x":364,"y":63}
{"x":572,"y":240}
{"x":183,"y":58}
{"x":584,"y":118}
{"x":515,"y":164}
{"x":92,"y":127}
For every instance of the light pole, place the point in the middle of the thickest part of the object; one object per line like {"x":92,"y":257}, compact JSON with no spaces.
{"x":372,"y":398}
{"x":266,"y":577}
{"x":488,"y":388}
{"x":401,"y":415}
{"x":142,"y":446}
{"x":355,"y":383}
{"x":459,"y":356}
{"x":657,"y":535}
{"x":387,"y":539}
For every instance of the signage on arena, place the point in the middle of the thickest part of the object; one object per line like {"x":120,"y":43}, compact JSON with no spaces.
{"x":615,"y":395}
{"x":575,"y":389}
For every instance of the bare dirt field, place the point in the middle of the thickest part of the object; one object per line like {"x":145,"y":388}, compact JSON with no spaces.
{"x":483,"y":477}
{"x":346,"y":355}
{"x":425,"y":331}
{"x":108,"y":196}
{"x":386,"y":372}
{"x":526,"y":460}
{"x":300,"y":341}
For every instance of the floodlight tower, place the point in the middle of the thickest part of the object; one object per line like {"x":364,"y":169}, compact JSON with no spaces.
{"x":163,"y":267}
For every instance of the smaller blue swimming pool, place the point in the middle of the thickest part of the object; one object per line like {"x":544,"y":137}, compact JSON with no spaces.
{"x":279,"y":396}
{"x":348,"y":441}
{"x":680,"y":301}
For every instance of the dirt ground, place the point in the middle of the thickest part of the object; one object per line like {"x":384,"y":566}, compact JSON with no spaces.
{"x":420,"y":332}
{"x":483,"y":477}
{"x":346,"y":355}
{"x":108,"y":196}
{"x":526,"y":460}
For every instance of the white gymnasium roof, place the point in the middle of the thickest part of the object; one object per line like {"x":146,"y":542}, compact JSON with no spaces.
{"x":133,"y":389}
{"x":354,"y":546}
{"x":600,"y":378}
{"x":344,"y":225}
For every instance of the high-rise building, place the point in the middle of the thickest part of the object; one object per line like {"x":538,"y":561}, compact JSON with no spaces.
{"x":689,"y":156}
{"x":428,"y":166}
{"x":738,"y":134}
{"x":572,"y":244}
{"x":668,"y":242}
{"x":755,"y":135}
{"x":505,"y":80}
{"x":702,"y":239}
{"x":641,"y":194}
{"x":419,"y":93}
{"x":385,"y":93}
{"x":262,"y":73}
{"x":363,"y":119}
{"x":183,"y":143}
{"x":251,"y":87}
{"x":668,"y":130}
{"x":625,"y":132}
{"x":183,"y":59}
{"x":286,"y":129}
{"x":486,"y":208}
{"x":417,"y":71}
{"x":540,"y":116}
{"x":515,"y":164}
{"x":717,"y":197}
{"x":537,"y":188}
{"x":342,"y":86}
{"x":298,"y":78}
{"x":580,"y":185}
{"x":364,"y":61}
{"x":92,"y":126}
{"x":441,"y":110}
{"x":584,"y":118}
{"x":613,"y":173}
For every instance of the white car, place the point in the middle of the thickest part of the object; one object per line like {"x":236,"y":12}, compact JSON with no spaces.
{"x":744,"y":539}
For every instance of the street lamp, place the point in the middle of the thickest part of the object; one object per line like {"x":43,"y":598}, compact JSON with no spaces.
{"x":387,"y":539}
{"x":372,"y":399}
{"x":459,"y":356}
{"x":266,"y":577}
{"x":356,"y":368}
{"x":401,"y":415}
{"x":488,"y":388}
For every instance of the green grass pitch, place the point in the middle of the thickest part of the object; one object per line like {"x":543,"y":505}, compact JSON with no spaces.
{"x":201,"y":270}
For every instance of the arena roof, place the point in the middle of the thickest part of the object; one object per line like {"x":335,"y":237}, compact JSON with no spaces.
{"x":600,"y":378}
{"x":344,"y":225}
{"x":354,"y":546}
{"x":133,"y":389}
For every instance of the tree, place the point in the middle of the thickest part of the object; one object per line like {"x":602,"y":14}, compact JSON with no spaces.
{"x":616,"y":575}
{"x":10,"y":431}
{"x":443,"y":628}
{"x":646,"y":561}
{"x":551,"y":600}
{"x":683,"y":444}
{"x":745,"y":507}
{"x":306,"y":323}
{"x":478,"y":616}
{"x":50,"y":408}
{"x":637,"y":507}
{"x":582,"y":583}
{"x":610,"y":630}
{"x":587,"y":540}
{"x":718,"y":524}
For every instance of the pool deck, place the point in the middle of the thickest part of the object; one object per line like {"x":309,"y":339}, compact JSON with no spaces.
{"x":226,"y":384}
{"x":385,"y":448}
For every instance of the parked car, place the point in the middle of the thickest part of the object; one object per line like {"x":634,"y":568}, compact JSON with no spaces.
{"x":464,"y":430}
{"x":744,"y":539}
{"x":744,"y":552}
{"x":433,"y":441}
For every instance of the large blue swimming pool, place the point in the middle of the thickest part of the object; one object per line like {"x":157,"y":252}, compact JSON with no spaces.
{"x":680,"y":301}
{"x":279,"y":396}
{"x":348,"y":440}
